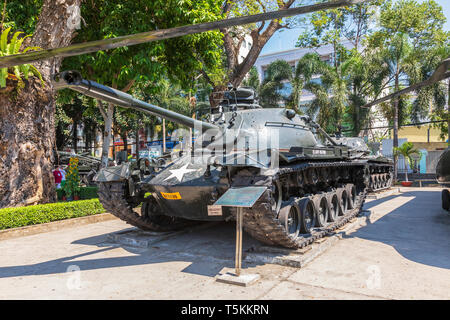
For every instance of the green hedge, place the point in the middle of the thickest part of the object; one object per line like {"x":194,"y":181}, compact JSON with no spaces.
{"x":88,"y":193}
{"x":85,"y":193}
{"x":25,"y":216}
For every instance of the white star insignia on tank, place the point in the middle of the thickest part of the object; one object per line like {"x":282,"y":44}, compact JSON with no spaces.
{"x":179,"y":173}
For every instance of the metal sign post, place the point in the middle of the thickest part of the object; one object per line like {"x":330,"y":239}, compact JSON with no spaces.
{"x":238,"y":262}
{"x":240,"y":198}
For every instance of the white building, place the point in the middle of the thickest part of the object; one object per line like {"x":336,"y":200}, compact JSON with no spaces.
{"x":292,"y":56}
{"x":245,"y":47}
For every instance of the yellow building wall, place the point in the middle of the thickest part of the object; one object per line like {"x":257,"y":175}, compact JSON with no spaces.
{"x":419,"y":137}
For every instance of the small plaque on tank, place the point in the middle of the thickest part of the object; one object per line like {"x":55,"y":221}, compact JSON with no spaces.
{"x":214,"y":210}
{"x":171,"y":196}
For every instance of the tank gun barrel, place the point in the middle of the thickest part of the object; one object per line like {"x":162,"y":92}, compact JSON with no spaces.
{"x":74,"y":81}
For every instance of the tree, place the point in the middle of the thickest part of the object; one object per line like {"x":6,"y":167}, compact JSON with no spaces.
{"x":407,"y":150}
{"x":178,"y":59}
{"x":400,"y":37}
{"x":344,"y":88}
{"x":270,"y":91}
{"x":233,"y":39}
{"x":27,"y":134}
{"x":431,"y":101}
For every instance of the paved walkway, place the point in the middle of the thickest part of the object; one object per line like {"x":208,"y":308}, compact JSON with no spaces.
{"x":403,"y":253}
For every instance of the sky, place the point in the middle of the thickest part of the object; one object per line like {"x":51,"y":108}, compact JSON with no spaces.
{"x":286,"y":39}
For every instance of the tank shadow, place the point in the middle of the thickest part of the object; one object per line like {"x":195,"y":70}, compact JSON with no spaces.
{"x":418,"y":229}
{"x":207,"y":250}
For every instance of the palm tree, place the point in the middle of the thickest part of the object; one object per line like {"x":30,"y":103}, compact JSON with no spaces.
{"x":270,"y":91}
{"x":331,"y":92}
{"x":308,"y":66}
{"x":407,"y":150}
{"x":431,"y":100}
{"x":397,"y":57}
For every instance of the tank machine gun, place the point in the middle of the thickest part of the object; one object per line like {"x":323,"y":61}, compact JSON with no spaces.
{"x":313,"y":183}
{"x":443,"y":166}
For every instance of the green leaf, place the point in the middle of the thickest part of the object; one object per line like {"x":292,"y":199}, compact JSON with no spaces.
{"x":3,"y":76}
{"x":4,"y":40}
{"x":13,"y":43}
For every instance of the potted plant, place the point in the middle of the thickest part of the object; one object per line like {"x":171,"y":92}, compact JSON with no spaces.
{"x":71,"y":185}
{"x":407,"y":150}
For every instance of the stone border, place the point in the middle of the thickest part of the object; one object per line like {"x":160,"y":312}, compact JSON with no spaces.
{"x":54,"y":226}
{"x":137,"y":238}
{"x":383,"y":193}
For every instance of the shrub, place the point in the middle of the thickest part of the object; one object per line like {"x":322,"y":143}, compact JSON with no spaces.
{"x":88,"y":192}
{"x":71,"y":185}
{"x":42,"y":213}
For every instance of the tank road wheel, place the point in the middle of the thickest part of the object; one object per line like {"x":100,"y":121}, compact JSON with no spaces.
{"x":375,"y":181}
{"x":307,"y":215}
{"x":366,"y":177}
{"x":276,"y":196}
{"x":312,"y":176}
{"x":345,"y":174}
{"x":351,"y":196}
{"x":300,"y":179}
{"x":445,"y":199}
{"x":150,"y":211}
{"x":322,"y":212}
{"x":290,"y":218}
{"x":335,"y":175}
{"x":325,"y":175}
{"x":333,"y":204}
{"x":343,"y":201}
{"x":371,"y":182}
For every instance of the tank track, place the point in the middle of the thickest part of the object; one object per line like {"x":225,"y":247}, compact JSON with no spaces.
{"x":112,"y":196}
{"x":261,"y":221}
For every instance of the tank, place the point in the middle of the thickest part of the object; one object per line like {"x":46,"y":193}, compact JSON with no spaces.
{"x":315,"y":183}
{"x":443,"y":177}
{"x":88,"y":166}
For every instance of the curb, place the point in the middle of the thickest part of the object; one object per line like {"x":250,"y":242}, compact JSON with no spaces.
{"x":54,"y":226}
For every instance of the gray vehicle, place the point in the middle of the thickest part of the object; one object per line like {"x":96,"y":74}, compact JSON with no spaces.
{"x":443,"y":177}
{"x":88,"y":166}
{"x":315,"y":183}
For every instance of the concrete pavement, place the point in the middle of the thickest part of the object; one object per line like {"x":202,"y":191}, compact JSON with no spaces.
{"x":403,"y":253}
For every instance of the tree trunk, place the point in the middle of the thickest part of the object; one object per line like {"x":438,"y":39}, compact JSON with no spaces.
{"x":75,"y":136}
{"x":239,"y":71}
{"x":448,"y":115}
{"x":27,"y":130}
{"x":137,"y":144}
{"x":125,"y":143}
{"x":395,"y":142}
{"x":107,"y":134}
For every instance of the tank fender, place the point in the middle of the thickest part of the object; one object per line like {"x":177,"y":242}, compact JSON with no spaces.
{"x":116,"y":173}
